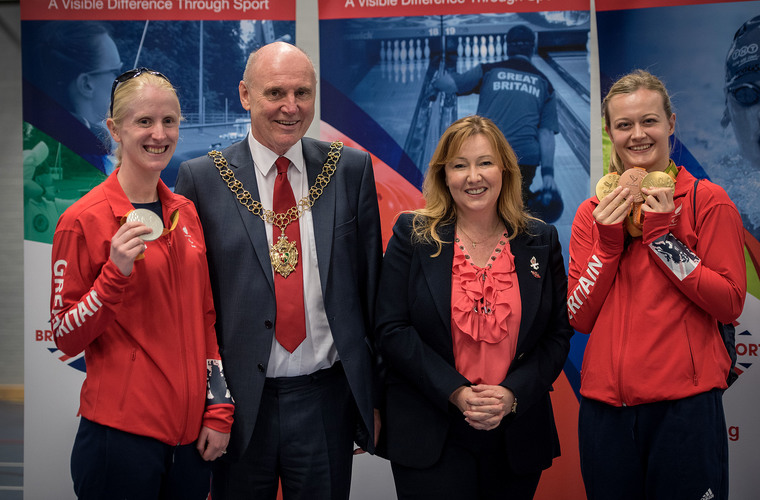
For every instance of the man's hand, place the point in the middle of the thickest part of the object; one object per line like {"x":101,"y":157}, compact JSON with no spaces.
{"x":378,"y":425}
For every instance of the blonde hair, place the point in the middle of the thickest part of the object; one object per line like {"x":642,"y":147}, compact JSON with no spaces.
{"x":628,"y":84}
{"x":439,"y":206}
{"x":130,"y":90}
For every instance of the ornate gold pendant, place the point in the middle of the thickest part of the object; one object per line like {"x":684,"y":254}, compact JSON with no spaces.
{"x":284,"y":256}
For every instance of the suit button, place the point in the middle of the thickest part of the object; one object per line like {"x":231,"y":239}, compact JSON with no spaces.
{"x":268,"y":324}
{"x":261,"y":368}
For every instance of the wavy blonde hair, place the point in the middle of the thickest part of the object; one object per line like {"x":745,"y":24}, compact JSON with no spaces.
{"x":440,"y":208}
{"x":628,"y":84}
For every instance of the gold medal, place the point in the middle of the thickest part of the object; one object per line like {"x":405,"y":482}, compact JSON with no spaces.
{"x":658,"y":179}
{"x":150,"y":219}
{"x":284,"y":256}
{"x":606,"y":185}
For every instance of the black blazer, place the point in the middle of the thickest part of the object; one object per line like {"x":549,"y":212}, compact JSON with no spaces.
{"x":349,"y":251}
{"x":414,"y":338}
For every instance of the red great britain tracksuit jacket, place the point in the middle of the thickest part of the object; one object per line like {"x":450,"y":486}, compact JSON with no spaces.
{"x":153,"y":365}
{"x":651,"y":307}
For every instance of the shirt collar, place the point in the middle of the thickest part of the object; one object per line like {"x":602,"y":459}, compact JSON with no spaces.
{"x":264,"y":158}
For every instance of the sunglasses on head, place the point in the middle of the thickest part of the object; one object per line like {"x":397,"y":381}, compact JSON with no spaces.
{"x":746,"y":94}
{"x":128,"y":75}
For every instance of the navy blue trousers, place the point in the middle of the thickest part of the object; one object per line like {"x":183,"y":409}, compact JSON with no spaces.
{"x":113,"y":464}
{"x":303,"y":437}
{"x":473,"y":466}
{"x":669,"y":450}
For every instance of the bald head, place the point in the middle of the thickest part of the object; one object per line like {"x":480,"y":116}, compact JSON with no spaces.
{"x":279,"y":90}
{"x":274,"y":50}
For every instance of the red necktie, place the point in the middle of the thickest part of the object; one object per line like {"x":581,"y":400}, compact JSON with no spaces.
{"x":290,"y":327}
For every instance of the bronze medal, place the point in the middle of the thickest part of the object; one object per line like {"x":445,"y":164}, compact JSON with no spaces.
{"x":631,"y":179}
{"x":606,"y":185}
{"x":284,"y":256}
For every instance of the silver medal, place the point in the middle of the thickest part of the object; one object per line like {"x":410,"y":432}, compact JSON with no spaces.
{"x":150,"y":219}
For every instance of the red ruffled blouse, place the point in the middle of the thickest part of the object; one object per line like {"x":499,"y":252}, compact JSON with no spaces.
{"x":485,"y":313}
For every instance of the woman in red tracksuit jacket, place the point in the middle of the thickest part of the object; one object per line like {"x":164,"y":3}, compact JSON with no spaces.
{"x":651,"y":422}
{"x":135,"y":297}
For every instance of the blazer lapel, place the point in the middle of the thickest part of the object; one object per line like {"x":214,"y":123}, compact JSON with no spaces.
{"x":531,"y":266}
{"x":241,"y":163}
{"x":323,"y":211}
{"x":437,"y":272}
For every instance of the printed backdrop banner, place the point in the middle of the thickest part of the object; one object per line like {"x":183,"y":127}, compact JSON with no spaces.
{"x":687,"y":46}
{"x":158,"y":10}
{"x":380,"y":62}
{"x":68,"y":68}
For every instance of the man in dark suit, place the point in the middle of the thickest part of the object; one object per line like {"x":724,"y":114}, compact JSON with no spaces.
{"x":294,"y":288}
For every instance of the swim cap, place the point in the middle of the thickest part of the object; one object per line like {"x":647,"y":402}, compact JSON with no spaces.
{"x":743,"y":59}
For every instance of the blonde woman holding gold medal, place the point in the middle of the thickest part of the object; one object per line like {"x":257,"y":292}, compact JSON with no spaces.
{"x":131,"y":289}
{"x":656,"y":260}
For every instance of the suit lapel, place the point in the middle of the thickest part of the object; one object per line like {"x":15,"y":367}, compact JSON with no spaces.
{"x":323,"y":211}
{"x":530,"y":283}
{"x":241,"y":163}
{"x":437,"y":272}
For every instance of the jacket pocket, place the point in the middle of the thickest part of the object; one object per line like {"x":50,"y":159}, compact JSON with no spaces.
{"x":694,"y":374}
{"x":345,"y":228}
{"x":130,"y":368}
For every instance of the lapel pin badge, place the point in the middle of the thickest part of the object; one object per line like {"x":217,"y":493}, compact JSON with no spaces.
{"x":534,"y":267}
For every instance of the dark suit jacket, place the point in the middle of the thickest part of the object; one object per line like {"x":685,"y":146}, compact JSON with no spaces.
{"x":349,"y":251}
{"x":414,"y":338}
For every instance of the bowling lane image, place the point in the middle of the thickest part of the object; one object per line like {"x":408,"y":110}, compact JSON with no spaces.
{"x":379,"y":86}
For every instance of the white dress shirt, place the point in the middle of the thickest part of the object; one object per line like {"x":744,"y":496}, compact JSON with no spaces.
{"x":318,"y":350}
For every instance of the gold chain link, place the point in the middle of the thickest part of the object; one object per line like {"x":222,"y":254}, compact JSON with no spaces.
{"x":282,"y":219}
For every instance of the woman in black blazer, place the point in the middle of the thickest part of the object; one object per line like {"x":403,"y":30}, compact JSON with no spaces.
{"x":473,"y":328}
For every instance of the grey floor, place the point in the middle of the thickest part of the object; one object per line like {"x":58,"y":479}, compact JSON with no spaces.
{"x":11,"y":450}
